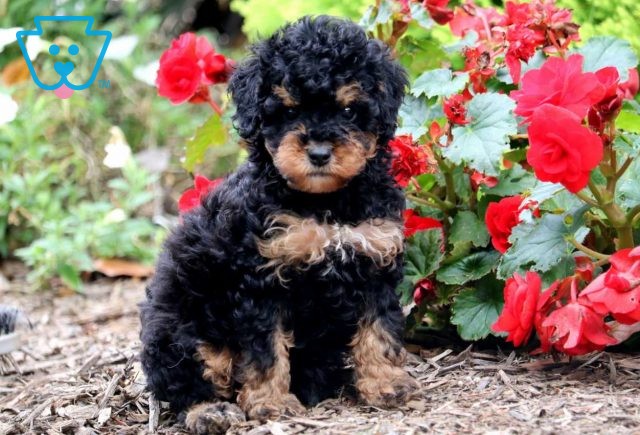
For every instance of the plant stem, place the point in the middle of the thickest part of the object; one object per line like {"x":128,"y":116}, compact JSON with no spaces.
{"x":616,"y":216}
{"x":215,"y":106}
{"x":633,"y":214}
{"x":596,"y":193}
{"x":590,"y":252}
{"x":437,"y":202}
{"x":623,"y":168}
{"x":587,"y":200}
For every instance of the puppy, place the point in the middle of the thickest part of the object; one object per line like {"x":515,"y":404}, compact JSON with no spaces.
{"x":280,"y":289}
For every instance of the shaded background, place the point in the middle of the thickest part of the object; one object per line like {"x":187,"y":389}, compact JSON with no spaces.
{"x":71,"y":194}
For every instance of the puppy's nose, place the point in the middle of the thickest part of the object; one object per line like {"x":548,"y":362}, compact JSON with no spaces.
{"x":319,"y":153}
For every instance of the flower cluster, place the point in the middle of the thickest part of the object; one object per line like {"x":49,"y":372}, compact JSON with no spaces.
{"x":554,"y":101}
{"x":189,"y":67}
{"x":567,"y":319}
{"x":409,"y":159}
{"x":558,"y":110}
{"x":522,"y":29}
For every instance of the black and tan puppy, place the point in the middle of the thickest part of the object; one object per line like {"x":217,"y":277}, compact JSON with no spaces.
{"x":280,"y":288}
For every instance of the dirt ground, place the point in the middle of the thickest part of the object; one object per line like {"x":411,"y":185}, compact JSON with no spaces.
{"x":78,"y":372}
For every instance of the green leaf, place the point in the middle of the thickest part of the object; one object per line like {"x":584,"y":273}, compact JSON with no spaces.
{"x":467,"y":227}
{"x":544,"y":190}
{"x":426,"y":181}
{"x":603,"y":51}
{"x":481,"y":143}
{"x":70,"y":276}
{"x":423,"y":254}
{"x":469,"y":268}
{"x":628,"y":121}
{"x":415,"y":113}
{"x":628,"y":186}
{"x":422,"y":257}
{"x":542,"y":243}
{"x":420,"y":15}
{"x":374,"y":16}
{"x":469,"y":40}
{"x":439,"y":83}
{"x":513,"y":181}
{"x":211,"y":133}
{"x":420,"y":54}
{"x":475,"y":310}
{"x":629,"y":147}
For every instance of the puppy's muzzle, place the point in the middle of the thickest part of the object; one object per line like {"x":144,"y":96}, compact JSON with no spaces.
{"x":319,"y":153}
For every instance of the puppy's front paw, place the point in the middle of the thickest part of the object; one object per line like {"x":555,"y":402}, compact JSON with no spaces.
{"x":213,"y":418}
{"x":389,"y":391}
{"x":270,"y":408}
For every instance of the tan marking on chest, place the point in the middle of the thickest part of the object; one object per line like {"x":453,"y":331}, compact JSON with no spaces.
{"x":302,"y":242}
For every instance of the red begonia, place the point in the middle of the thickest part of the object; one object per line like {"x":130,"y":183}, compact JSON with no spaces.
{"x":500,"y":218}
{"x":408,"y":161}
{"x":561,"y":149}
{"x":521,"y":296}
{"x":192,"y":198}
{"x":188,"y":67}
{"x":414,"y":223}
{"x":559,"y":83}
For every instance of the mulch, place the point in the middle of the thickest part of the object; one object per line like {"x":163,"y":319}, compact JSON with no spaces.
{"x":78,"y":372}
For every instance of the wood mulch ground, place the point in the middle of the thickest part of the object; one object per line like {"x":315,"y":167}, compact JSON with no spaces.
{"x":78,"y":372}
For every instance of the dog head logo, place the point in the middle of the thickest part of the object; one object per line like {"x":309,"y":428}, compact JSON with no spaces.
{"x":62,"y":80}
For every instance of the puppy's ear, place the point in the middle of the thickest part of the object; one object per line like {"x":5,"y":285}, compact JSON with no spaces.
{"x":392,"y":80}
{"x":245,"y":87}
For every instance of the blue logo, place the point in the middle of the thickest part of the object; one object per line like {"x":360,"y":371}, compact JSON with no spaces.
{"x":64,"y":88}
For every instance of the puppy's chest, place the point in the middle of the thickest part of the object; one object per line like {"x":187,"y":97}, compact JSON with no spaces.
{"x":295,"y":242}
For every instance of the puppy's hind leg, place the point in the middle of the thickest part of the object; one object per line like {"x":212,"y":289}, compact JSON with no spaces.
{"x":216,"y":416}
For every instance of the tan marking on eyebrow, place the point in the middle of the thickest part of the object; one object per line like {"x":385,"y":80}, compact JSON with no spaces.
{"x":347,"y":94}
{"x":285,"y":96}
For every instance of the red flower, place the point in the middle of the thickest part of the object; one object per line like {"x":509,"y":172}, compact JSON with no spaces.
{"x":559,"y":83}
{"x":414,"y":223}
{"x":522,"y":46}
{"x":435,"y":132}
{"x":520,"y":302}
{"x":501,"y":217}
{"x":188,"y":67}
{"x":611,"y":102}
{"x":408,"y":160}
{"x":478,"y":178}
{"x":438,"y":10}
{"x":178,"y":77}
{"x":455,"y":110}
{"x":192,"y":198}
{"x":478,"y":63}
{"x":629,"y":88}
{"x":480,"y":20}
{"x":617,"y":291}
{"x":578,"y":329}
{"x":561,"y":149}
{"x":425,"y":290}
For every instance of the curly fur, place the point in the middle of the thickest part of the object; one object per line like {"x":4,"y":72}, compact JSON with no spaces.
{"x":323,"y":80}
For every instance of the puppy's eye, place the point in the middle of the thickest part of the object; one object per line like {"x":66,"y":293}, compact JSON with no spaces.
{"x":291,"y":112}
{"x":349,"y":113}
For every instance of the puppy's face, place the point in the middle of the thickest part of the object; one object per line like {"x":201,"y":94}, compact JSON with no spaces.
{"x":318,"y":100}
{"x":319,"y":142}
